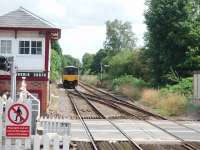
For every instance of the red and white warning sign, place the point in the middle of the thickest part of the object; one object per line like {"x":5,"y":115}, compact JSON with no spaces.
{"x":18,"y":120}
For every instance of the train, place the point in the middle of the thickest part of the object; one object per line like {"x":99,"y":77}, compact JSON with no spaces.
{"x":70,"y":77}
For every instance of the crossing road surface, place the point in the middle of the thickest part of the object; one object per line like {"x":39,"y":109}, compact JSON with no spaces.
{"x":139,"y":131}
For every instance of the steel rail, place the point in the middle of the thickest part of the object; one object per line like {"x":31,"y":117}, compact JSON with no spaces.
{"x":84,"y":124}
{"x":119,"y":101}
{"x":133,"y":143}
{"x":184,"y":143}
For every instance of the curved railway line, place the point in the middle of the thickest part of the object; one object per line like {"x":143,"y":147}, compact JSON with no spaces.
{"x":116,"y":104}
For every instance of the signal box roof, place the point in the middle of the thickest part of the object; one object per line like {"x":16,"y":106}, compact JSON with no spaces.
{"x":23,"y":18}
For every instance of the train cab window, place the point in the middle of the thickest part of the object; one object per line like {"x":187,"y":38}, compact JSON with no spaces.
{"x":70,"y":71}
{"x":6,"y":46}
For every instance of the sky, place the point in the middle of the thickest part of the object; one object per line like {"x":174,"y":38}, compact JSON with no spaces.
{"x":82,"y":22}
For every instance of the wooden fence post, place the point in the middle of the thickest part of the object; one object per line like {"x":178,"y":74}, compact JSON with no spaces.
{"x":56,"y":143}
{"x":36,"y":142}
{"x":8,"y":144}
{"x":1,"y":124}
{"x":18,"y":144}
{"x":27,"y":144}
{"x":66,"y":141}
{"x":46,"y":143}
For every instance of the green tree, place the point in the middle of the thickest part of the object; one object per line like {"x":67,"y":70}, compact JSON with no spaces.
{"x":171,"y":40}
{"x":87,"y":61}
{"x":119,"y":36}
{"x":56,"y":66}
{"x":127,"y":62}
{"x":99,"y":58}
{"x":68,"y":60}
{"x":56,"y":61}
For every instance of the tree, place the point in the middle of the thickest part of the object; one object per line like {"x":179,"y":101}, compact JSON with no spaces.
{"x":99,"y":58}
{"x":56,"y":66}
{"x":169,"y":39}
{"x":68,"y":60}
{"x":119,"y":36}
{"x":127,"y":62}
{"x":56,"y":61}
{"x":87,"y":61}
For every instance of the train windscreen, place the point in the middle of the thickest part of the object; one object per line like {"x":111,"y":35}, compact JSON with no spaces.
{"x":71,"y":71}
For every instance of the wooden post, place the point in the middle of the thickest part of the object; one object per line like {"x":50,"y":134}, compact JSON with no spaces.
{"x":46,"y":143}
{"x":196,"y":87}
{"x":56,"y":143}
{"x":66,"y":141}
{"x":8,"y":144}
{"x":18,"y":144}
{"x":27,"y":144}
{"x":36,"y":142}
{"x":1,"y":123}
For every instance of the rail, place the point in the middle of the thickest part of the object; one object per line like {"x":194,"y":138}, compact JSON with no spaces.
{"x":84,"y":124}
{"x":133,"y":143}
{"x":184,"y":143}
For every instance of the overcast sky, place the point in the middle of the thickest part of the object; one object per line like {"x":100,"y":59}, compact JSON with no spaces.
{"x":83,"y":21}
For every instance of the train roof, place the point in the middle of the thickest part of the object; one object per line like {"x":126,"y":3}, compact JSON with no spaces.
{"x":70,"y":67}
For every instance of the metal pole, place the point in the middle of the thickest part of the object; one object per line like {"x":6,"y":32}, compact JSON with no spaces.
{"x":13,"y":74}
{"x":101,"y":72}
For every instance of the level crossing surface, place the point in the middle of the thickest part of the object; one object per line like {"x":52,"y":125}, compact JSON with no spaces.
{"x":140,"y":131}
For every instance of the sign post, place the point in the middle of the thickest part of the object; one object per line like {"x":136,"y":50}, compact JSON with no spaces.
{"x":18,"y":120}
{"x":196,"y":87}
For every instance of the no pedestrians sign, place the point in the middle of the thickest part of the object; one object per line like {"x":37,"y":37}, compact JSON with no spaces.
{"x":18,"y":120}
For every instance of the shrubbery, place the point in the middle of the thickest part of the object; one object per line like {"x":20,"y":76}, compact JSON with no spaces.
{"x":129,"y":85}
{"x":129,"y":80}
{"x":183,"y":87}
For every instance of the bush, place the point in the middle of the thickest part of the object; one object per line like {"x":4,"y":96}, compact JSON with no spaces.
{"x":183,"y":87}
{"x":129,"y":85}
{"x":129,"y":80}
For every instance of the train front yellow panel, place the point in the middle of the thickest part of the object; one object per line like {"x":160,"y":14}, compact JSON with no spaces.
{"x":70,"y":77}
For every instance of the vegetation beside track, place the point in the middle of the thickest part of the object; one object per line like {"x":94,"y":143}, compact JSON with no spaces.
{"x":171,"y":100}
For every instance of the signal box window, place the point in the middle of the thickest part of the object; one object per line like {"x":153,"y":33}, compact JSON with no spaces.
{"x":36,"y":47}
{"x":24,"y":47}
{"x":6,"y":46}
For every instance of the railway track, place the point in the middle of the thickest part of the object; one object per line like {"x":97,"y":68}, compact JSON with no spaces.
{"x":126,"y":104}
{"x":186,"y":145}
{"x":133,"y":144}
{"x":116,"y":100}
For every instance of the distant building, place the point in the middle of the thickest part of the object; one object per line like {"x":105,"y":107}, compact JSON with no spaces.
{"x":28,"y":38}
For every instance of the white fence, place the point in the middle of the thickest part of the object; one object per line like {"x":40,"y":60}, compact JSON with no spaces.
{"x":54,"y":125}
{"x":37,"y":142}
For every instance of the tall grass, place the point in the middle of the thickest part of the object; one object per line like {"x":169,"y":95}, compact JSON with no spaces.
{"x":90,"y":79}
{"x":168,"y":104}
